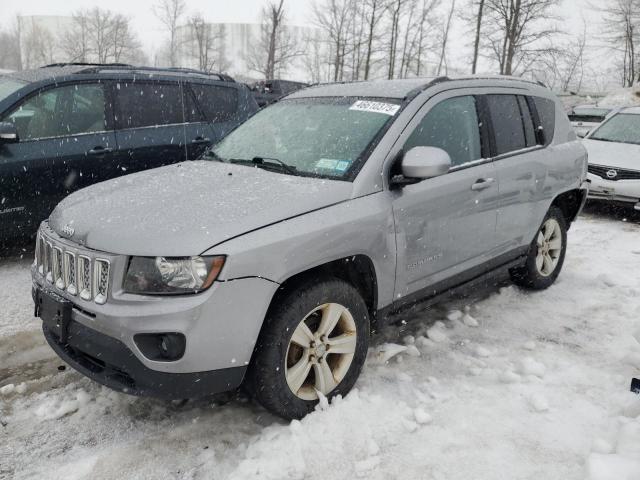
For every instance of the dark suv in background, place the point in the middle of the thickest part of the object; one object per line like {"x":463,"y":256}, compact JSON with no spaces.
{"x":269,"y":91}
{"x":63,"y":127}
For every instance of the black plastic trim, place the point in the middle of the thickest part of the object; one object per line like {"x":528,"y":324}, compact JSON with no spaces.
{"x":487,"y":272}
{"x":109,"y":362}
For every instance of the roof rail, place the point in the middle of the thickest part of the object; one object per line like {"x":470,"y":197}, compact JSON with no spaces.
{"x":85,"y":64}
{"x":99,"y":67}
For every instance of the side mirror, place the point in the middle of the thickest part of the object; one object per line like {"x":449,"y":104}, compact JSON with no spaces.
{"x":425,"y":162}
{"x":8,"y":133}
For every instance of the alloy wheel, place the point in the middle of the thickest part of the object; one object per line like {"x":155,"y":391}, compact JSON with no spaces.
{"x":320,"y":351}
{"x":549,"y":244}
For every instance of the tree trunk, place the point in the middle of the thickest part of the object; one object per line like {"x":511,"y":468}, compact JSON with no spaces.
{"x":445,"y":37}
{"x":476,"y":44}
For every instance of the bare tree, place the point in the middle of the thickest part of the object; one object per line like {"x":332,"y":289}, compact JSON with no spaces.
{"x":518,"y":28}
{"x":276,"y":46}
{"x":476,"y":42}
{"x":334,"y":18}
{"x":621,"y":20}
{"x":169,"y":12}
{"x":207,"y":43}
{"x":74,"y":42}
{"x":10,"y":58}
{"x":372,"y":10}
{"x":124,"y":44}
{"x":37,"y":43}
{"x":445,"y":37}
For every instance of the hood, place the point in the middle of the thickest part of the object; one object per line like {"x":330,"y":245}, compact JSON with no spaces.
{"x":186,"y":208}
{"x":613,"y":154}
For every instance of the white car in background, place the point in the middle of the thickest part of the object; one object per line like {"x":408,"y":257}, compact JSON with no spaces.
{"x":614,"y":158}
{"x":585,"y":118}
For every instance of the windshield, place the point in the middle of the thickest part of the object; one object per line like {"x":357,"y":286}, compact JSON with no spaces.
{"x":9,"y":86}
{"x":324,"y":137}
{"x":623,"y":128}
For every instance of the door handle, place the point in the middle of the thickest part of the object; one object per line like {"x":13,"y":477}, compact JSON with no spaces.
{"x":200,"y":140}
{"x":99,"y":150}
{"x":482,"y":183}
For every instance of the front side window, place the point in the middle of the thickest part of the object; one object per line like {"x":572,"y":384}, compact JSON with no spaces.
{"x":506,"y":119}
{"x":622,"y":128}
{"x":453,"y":126}
{"x":58,"y":112}
{"x":142,"y":104}
{"x":314,"y":136}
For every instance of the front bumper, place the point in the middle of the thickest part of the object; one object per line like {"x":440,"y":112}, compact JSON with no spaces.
{"x":626,"y":191}
{"x":109,"y":362}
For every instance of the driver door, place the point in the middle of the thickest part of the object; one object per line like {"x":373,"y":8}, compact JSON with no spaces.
{"x":64,"y":144}
{"x":446,"y":225}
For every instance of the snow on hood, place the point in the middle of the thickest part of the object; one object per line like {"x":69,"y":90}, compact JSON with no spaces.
{"x":186,"y":208}
{"x":613,"y":154}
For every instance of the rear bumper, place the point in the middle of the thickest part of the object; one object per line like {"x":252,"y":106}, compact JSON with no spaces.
{"x":109,"y":362}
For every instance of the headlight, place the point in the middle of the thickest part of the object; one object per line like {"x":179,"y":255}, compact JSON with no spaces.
{"x":164,"y":275}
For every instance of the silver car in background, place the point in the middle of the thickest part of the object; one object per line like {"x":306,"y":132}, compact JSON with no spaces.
{"x":335,"y":211}
{"x":614,"y":159}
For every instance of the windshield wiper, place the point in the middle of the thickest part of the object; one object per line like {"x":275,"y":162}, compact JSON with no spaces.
{"x":213,"y":155}
{"x":267,"y":162}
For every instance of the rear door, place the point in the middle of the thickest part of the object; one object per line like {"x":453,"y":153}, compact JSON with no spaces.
{"x":150,"y":125}
{"x":66,"y":143}
{"x":520,"y":163}
{"x":445,"y":226}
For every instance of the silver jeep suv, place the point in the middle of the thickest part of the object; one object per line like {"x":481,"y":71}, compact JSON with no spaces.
{"x":326,"y":215}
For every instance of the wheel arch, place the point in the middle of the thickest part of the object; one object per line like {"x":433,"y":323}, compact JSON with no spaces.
{"x":358,"y":270}
{"x":570,"y":203}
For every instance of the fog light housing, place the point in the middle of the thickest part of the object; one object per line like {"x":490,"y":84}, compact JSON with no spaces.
{"x":161,"y":347}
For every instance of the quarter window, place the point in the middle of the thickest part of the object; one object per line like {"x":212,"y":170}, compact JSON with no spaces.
{"x":507,"y":123}
{"x":219,"y":104}
{"x":453,"y":126}
{"x":147,"y":105}
{"x":547,"y":113}
{"x":63,"y":111}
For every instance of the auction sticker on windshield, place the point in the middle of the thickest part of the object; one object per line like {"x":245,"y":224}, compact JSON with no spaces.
{"x":375,"y":107}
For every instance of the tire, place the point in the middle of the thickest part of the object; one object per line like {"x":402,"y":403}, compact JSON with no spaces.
{"x":545,"y":257}
{"x":303,"y":316}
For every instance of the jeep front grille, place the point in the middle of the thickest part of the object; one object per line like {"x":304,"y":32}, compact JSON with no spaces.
{"x":84,"y":277}
{"x":67,"y":269}
{"x":101,"y":282}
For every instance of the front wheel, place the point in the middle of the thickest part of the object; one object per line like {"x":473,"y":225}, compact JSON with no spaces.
{"x":314,"y":343}
{"x":546,"y":253}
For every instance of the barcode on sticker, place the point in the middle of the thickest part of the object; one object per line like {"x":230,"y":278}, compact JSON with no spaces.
{"x":375,"y":107}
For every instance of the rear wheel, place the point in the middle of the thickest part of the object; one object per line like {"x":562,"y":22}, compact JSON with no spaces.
{"x":314,"y":343}
{"x":546,"y":253}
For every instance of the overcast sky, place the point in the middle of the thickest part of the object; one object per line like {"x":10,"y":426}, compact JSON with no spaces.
{"x":240,"y":11}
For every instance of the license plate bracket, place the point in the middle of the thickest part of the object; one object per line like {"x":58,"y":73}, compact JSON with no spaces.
{"x":55,"y":313}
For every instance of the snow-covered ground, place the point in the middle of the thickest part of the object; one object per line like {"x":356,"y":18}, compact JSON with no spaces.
{"x":508,"y":385}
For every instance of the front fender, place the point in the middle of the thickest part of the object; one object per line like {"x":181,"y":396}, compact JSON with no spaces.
{"x":363,"y":226}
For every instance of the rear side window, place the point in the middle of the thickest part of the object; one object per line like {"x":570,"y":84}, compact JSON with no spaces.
{"x":453,"y":126}
{"x":219,"y":104}
{"x":148,"y":104}
{"x":547,"y":114}
{"x":506,"y":119}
